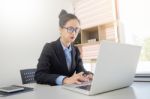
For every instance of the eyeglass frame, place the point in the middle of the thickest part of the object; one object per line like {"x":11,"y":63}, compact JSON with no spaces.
{"x":72,"y":31}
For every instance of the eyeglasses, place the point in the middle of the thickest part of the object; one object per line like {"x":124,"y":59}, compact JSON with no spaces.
{"x":72,"y":29}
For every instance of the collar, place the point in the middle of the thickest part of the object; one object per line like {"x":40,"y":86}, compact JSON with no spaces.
{"x":64,"y":48}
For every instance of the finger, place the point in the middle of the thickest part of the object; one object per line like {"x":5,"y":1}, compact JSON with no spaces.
{"x":77,"y":82}
{"x":83,"y":79}
{"x":80,"y":74}
{"x":90,"y":77}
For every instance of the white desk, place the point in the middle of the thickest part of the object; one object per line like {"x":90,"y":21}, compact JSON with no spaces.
{"x":139,"y":90}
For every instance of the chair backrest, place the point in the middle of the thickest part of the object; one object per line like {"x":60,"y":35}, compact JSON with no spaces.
{"x":27,"y":75}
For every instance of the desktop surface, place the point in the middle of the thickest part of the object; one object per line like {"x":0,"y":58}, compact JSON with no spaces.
{"x":138,"y":90}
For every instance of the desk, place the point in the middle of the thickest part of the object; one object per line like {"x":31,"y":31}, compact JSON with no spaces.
{"x":138,"y":90}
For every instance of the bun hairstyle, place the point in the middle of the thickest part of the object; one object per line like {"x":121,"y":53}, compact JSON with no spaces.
{"x":64,"y":17}
{"x":62,"y":13}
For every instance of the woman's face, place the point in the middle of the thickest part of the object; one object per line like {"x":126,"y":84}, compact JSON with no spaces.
{"x":70,"y":31}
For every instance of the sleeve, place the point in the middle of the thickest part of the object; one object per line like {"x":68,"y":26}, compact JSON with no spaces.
{"x":59,"y":80}
{"x":42,"y":75}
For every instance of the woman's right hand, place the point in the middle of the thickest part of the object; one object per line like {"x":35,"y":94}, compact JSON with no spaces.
{"x":75,"y":79}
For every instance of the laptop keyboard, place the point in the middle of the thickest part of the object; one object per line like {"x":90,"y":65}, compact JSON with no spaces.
{"x":85,"y":87}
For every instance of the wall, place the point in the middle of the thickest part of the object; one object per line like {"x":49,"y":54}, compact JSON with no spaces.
{"x":25,"y":26}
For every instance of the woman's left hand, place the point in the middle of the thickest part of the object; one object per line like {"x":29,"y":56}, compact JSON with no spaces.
{"x":89,"y":76}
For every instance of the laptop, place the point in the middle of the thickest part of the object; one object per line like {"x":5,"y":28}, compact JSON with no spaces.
{"x":115,"y":68}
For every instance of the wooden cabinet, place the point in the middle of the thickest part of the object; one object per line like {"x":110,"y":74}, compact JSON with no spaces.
{"x":98,"y":22}
{"x":89,"y":39}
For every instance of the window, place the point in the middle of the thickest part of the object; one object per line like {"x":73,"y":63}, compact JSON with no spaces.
{"x":135,"y":21}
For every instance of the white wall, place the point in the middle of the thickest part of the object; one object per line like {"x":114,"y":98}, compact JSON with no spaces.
{"x":25,"y":26}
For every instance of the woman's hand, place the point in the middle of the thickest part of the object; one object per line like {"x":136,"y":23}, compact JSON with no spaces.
{"x":90,"y":76}
{"x":76,"y":79}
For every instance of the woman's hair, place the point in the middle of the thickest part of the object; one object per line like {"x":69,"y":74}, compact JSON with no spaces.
{"x":64,"y":17}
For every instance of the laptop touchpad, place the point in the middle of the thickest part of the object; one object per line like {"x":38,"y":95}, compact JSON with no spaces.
{"x":85,"y":87}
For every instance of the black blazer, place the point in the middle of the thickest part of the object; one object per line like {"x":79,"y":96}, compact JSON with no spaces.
{"x":52,"y":63}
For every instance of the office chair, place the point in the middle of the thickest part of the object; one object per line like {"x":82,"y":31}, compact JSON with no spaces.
{"x":27,"y":75}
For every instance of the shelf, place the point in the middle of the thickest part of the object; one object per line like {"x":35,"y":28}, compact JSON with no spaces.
{"x":89,"y":39}
{"x":90,"y":35}
{"x":84,"y":44}
{"x":105,"y":31}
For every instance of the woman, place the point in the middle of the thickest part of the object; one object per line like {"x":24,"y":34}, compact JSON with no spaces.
{"x":60,"y":61}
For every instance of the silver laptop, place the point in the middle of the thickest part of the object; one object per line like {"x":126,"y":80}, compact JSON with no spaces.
{"x":115,"y":68}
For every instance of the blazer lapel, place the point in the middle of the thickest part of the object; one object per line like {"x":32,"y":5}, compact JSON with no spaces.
{"x":73,"y":53}
{"x":61,"y":55}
